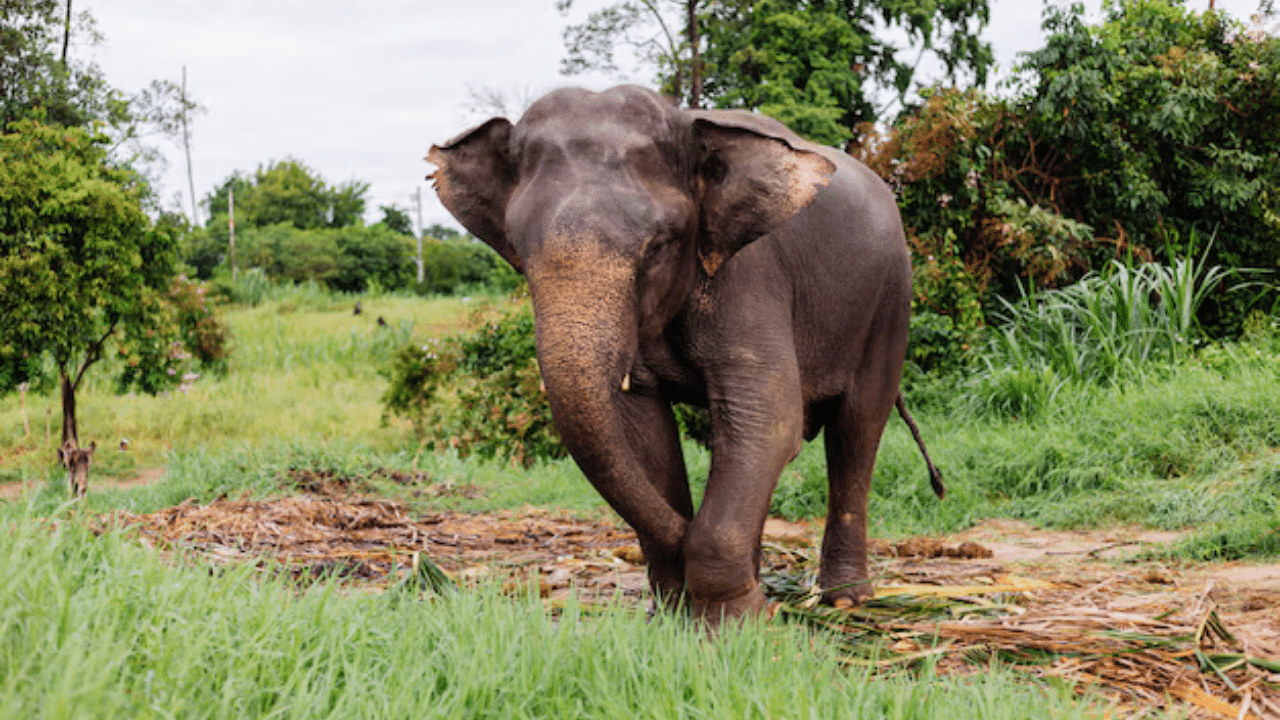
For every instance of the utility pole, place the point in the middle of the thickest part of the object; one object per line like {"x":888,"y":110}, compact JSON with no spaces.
{"x":231,"y":227}
{"x":417,"y":203}
{"x":66,"y":36}
{"x":186,"y":145}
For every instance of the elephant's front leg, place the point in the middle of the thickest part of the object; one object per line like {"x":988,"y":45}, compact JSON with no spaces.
{"x":757,"y":422}
{"x":655,"y":444}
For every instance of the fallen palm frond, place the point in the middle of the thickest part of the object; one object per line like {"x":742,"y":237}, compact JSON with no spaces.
{"x":1145,"y":662}
{"x":378,"y":544}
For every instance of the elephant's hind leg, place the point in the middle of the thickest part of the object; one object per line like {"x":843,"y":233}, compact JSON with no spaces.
{"x":852,"y":438}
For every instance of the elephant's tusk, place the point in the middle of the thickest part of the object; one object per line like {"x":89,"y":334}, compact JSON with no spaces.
{"x":542,"y":386}
{"x":626,"y":382}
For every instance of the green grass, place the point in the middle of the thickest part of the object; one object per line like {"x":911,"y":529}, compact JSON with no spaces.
{"x":296,"y":374}
{"x":1193,"y":449}
{"x":97,"y":627}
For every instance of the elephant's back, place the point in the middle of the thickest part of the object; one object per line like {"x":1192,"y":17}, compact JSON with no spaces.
{"x":846,"y":259}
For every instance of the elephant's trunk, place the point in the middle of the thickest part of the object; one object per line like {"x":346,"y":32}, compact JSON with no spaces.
{"x":587,"y":340}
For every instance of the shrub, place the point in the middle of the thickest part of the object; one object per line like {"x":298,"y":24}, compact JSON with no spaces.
{"x":456,"y":266}
{"x":479,"y":392}
{"x":203,"y":333}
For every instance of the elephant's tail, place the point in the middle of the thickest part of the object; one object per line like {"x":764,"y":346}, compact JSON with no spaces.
{"x":935,"y":477}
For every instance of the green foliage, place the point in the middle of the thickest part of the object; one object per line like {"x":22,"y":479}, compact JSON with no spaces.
{"x":287,"y":192}
{"x":816,"y":65}
{"x":793,"y":63}
{"x":496,"y":407}
{"x":33,"y":78}
{"x":457,"y":265}
{"x":80,"y":263}
{"x":1159,"y":123}
{"x":1107,"y":326}
{"x":204,"y":334}
{"x":1127,"y":141}
{"x":396,"y":220}
{"x":354,"y":259}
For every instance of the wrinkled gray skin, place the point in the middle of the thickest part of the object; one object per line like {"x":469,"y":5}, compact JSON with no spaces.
{"x":76,"y":461}
{"x":708,"y":257}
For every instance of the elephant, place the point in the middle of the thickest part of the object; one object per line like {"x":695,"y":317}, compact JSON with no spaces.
{"x":709,"y":257}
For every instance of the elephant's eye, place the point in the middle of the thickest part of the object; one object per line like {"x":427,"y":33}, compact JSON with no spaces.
{"x":715,"y":169}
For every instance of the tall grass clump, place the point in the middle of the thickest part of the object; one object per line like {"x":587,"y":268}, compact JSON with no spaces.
{"x":1110,"y":326}
{"x":97,"y":627}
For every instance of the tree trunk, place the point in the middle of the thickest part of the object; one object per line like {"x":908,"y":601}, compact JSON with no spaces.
{"x":69,"y":411}
{"x":695,"y":62}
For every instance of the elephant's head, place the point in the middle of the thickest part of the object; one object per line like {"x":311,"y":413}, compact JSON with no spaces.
{"x":612,"y":205}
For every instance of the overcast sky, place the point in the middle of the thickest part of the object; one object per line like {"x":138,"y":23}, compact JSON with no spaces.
{"x":361,"y":91}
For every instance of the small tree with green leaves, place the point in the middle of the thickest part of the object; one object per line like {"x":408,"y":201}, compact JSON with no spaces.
{"x":81,"y":266}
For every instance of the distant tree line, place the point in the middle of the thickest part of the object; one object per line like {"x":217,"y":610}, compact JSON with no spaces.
{"x":295,"y":227}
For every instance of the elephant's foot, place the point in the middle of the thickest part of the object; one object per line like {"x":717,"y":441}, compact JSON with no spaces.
{"x":749,"y":603}
{"x":845,"y":593}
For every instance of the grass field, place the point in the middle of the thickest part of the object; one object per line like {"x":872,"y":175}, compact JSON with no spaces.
{"x":303,"y":368}
{"x":99,"y":627}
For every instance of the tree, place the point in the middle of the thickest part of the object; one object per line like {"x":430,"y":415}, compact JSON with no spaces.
{"x":80,"y":266}
{"x":1157,"y":127}
{"x":1134,"y":140}
{"x":39,"y":77}
{"x":662,"y":33}
{"x":820,"y":65}
{"x":396,"y":220}
{"x":35,"y":71}
{"x":441,"y":232}
{"x":817,"y":65}
{"x":287,"y":191}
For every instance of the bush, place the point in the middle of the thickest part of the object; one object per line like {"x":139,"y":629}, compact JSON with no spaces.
{"x":352,"y":259}
{"x":203,"y":333}
{"x":479,"y":392}
{"x":456,"y":266}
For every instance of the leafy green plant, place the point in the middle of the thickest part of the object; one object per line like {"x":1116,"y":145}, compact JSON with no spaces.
{"x":205,"y":335}
{"x":1106,"y":326}
{"x":479,"y":392}
{"x":81,"y":265}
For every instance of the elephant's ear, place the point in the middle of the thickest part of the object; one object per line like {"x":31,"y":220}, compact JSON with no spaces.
{"x":474,"y":178}
{"x":753,"y":175}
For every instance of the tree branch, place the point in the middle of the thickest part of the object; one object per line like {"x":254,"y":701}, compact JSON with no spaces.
{"x":94,"y":353}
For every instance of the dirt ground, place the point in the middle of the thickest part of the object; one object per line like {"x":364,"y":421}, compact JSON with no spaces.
{"x":1202,"y":637}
